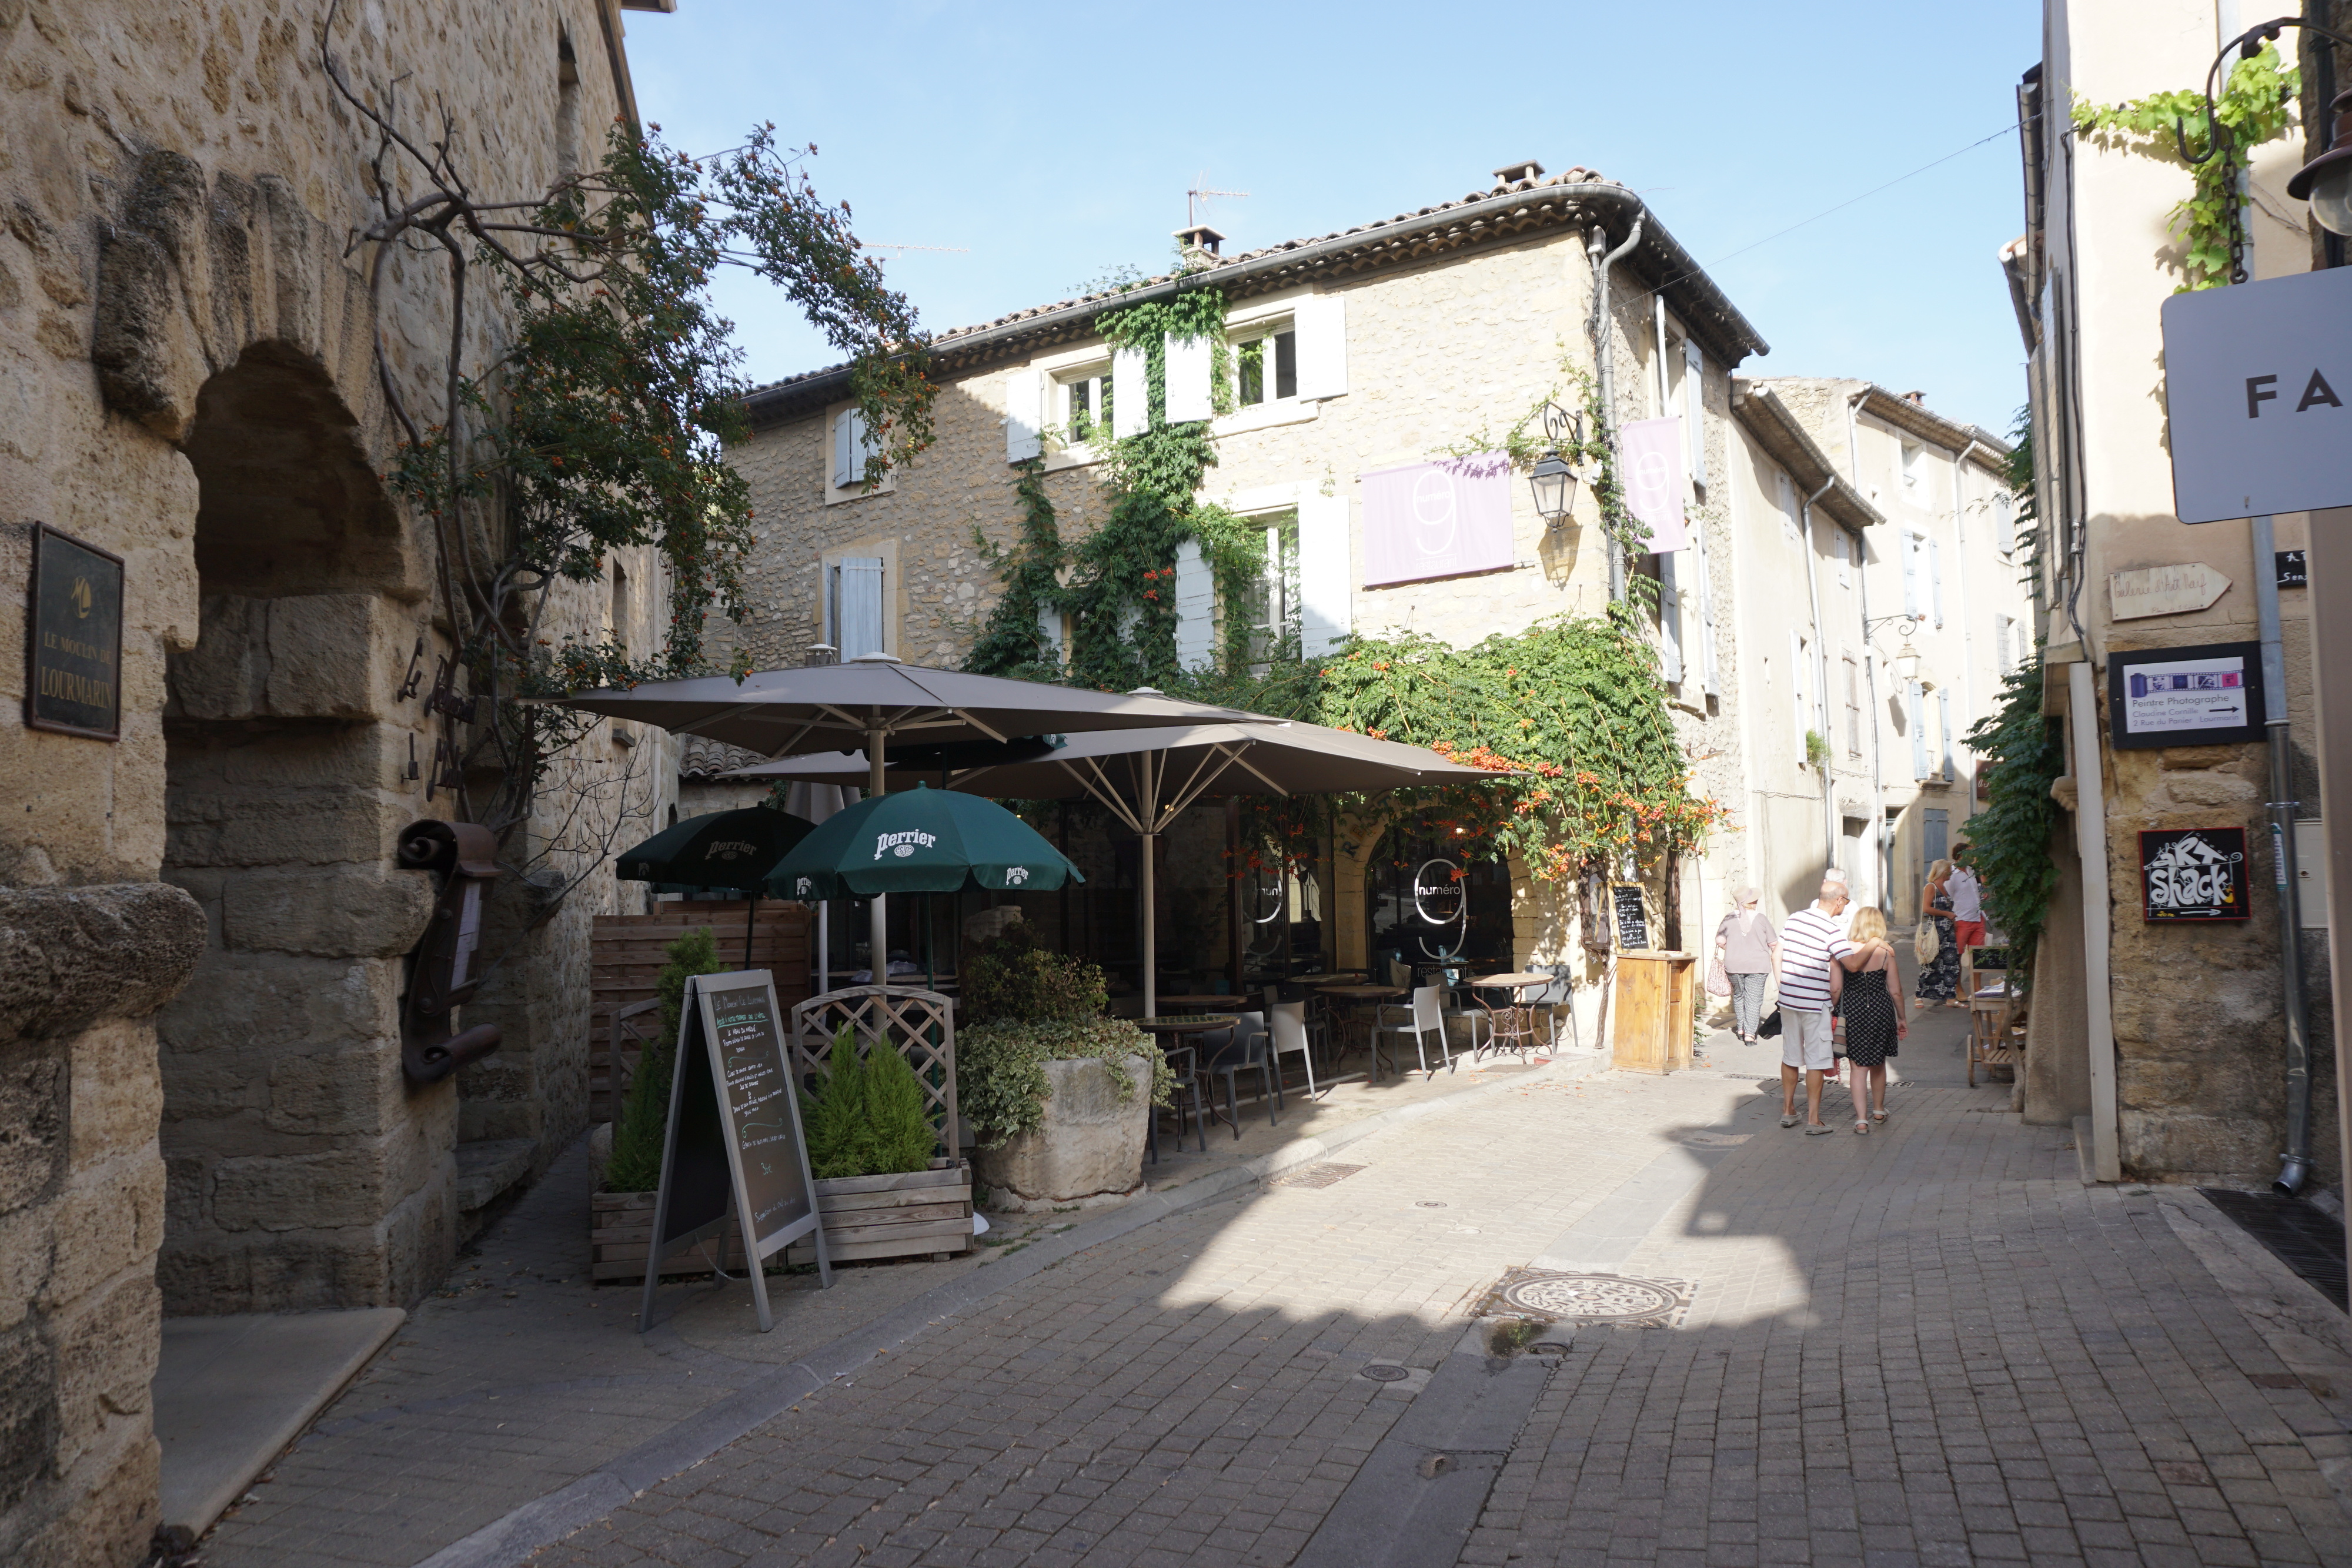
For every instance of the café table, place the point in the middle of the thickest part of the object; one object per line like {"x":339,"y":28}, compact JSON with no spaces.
{"x":1172,"y":1028}
{"x":1203,"y":1003}
{"x":1517,"y":1021}
{"x":1359,"y":997}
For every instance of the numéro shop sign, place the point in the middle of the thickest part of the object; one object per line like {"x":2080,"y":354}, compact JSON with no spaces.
{"x":2256,"y":378}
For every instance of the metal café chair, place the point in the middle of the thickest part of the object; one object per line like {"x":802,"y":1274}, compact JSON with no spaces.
{"x":1289,"y":1029}
{"x":1423,"y":1017}
{"x":1182,"y":1061}
{"x":1241,"y":1044}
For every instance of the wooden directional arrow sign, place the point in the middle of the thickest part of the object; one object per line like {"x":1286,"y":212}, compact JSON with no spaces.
{"x":2164,"y":590}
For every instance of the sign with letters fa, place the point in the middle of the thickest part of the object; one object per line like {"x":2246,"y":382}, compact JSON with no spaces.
{"x":2193,"y":873}
{"x":73,"y":637}
{"x":2258,"y":390}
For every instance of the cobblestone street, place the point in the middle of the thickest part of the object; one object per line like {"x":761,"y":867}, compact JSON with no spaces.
{"x":1930,"y":1345}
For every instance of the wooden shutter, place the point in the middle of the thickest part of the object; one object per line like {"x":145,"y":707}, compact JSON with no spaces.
{"x":1911,"y":575}
{"x":1321,"y":323}
{"x":1050,"y":635}
{"x":1936,"y":581}
{"x":1025,"y":414}
{"x":1703,"y":587}
{"x":1131,"y":394}
{"x":1670,"y":623}
{"x":844,"y":448}
{"x":1695,"y":410}
{"x":1196,"y":607}
{"x":861,"y":607}
{"x":1326,"y":573}
{"x":1188,"y":379}
{"x":1944,"y":716}
{"x":1799,"y":676}
{"x":1915,"y":703}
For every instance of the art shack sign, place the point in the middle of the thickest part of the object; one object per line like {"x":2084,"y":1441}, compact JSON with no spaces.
{"x":73,"y":638}
{"x":2258,"y":390}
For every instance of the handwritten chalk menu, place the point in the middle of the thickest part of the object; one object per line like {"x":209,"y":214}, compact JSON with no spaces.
{"x":1633,"y":923}
{"x":739,"y":1155}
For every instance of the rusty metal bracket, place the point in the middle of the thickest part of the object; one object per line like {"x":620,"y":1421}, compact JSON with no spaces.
{"x":445,"y":971}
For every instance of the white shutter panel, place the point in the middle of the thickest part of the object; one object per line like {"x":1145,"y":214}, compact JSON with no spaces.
{"x":1911,"y":575}
{"x":861,"y":447}
{"x":1188,"y":379}
{"x":861,"y":606}
{"x":1322,"y":326}
{"x":1943,"y":714}
{"x":1705,"y":590}
{"x":1049,"y":635}
{"x":1916,"y":706}
{"x":1670,"y":623}
{"x":1131,"y":394}
{"x":1025,"y":414}
{"x":1797,"y":677}
{"x":1196,"y":607}
{"x":1326,"y":575}
{"x":1936,"y":581}
{"x":2001,"y":625}
{"x":844,"y":448}
{"x":1695,"y":410}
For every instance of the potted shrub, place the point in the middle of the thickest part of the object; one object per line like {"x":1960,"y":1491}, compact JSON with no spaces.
{"x":879,"y":1189}
{"x":621,"y":1211}
{"x":1056,"y":1094}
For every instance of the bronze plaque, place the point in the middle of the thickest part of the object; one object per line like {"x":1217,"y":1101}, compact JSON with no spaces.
{"x":73,"y":626}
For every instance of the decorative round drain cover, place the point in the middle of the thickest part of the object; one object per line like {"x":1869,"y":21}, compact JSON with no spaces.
{"x":1591,"y":1296}
{"x":1429,"y":1202}
{"x":1548,"y":1347}
{"x":1386,"y":1372}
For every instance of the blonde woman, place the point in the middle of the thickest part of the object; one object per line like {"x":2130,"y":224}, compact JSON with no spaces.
{"x":1940,"y":980}
{"x":1747,"y":946}
{"x":1873,"y":1023}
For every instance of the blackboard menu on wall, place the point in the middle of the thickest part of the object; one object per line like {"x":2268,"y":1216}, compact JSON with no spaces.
{"x":1633,"y":923}
{"x":759,"y":1104}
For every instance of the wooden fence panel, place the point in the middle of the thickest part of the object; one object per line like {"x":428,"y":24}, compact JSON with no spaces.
{"x":626,"y":960}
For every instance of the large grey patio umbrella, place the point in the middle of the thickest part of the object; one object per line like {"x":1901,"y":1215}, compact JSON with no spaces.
{"x":1144,"y":778}
{"x":873,"y":701}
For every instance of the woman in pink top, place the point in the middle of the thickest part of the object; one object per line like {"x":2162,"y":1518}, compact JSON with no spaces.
{"x":1746,"y":944}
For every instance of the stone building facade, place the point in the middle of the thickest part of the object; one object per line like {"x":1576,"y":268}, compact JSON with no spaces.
{"x":2168,"y":1040}
{"x":202,"y":932}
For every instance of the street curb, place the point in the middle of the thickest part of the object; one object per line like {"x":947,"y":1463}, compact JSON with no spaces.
{"x":549,"y":1517}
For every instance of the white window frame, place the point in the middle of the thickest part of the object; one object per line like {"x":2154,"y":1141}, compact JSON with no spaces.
{"x":1060,"y":419}
{"x":1263,"y":319}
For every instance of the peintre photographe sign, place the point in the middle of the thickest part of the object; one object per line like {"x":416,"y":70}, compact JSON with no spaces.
{"x":2256,"y":380}
{"x":73,"y":638}
{"x":2193,"y":873}
{"x":2211,"y":694}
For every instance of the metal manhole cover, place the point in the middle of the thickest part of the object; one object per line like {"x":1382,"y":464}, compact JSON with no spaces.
{"x":1428,"y":1203}
{"x":1599,"y":1298}
{"x":1549,"y":1347}
{"x":1320,"y":1174}
{"x":1386,"y":1372}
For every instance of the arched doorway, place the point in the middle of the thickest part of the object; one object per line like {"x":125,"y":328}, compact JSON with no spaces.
{"x":304,"y":1171}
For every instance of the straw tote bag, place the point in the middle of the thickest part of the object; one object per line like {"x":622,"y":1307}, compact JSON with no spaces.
{"x":1929,"y":942}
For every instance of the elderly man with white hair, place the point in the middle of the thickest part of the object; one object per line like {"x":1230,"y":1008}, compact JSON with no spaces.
{"x":1813,"y":940}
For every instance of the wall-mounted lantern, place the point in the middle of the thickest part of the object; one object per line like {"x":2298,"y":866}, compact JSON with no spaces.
{"x":1552,"y":480}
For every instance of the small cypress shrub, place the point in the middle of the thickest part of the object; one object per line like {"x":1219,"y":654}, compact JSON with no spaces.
{"x":833,"y":1117}
{"x":644,"y":1121}
{"x":895,"y":1117}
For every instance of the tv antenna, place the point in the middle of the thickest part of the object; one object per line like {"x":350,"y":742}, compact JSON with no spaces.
{"x":1197,"y":198}
{"x":903,"y":249}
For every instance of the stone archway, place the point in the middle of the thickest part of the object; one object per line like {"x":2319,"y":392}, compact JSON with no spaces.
{"x":304,"y":1171}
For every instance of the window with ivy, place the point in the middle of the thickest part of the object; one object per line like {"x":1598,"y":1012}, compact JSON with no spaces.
{"x":1270,"y":604}
{"x":1085,"y":405}
{"x":1265,"y":366}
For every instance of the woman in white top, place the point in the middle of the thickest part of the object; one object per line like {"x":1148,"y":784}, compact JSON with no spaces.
{"x":1746,"y":946}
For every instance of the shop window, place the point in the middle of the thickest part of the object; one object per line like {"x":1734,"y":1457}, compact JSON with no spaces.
{"x":1432,"y":900}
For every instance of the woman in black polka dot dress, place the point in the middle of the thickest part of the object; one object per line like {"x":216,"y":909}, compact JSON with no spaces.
{"x":1874,"y":1022}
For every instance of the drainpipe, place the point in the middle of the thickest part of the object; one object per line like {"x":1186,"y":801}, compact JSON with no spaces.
{"x":2091,"y":845}
{"x":2294,"y":1165}
{"x":1605,"y":360}
{"x":1821,"y":669}
{"x":1968,"y":623}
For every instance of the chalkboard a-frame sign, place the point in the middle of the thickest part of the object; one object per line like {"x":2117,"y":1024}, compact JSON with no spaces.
{"x":1633,"y":921}
{"x":734,"y":1149}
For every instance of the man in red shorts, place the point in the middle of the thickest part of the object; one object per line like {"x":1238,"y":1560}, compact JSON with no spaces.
{"x":1968,"y":902}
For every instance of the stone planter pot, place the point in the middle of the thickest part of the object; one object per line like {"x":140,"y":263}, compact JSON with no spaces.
{"x":1087,"y":1151}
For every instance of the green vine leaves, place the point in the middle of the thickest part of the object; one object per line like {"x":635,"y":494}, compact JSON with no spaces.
{"x":2254,"y":107}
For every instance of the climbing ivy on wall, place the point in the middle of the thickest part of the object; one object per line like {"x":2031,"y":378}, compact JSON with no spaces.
{"x":2251,"y":109}
{"x":1118,"y":585}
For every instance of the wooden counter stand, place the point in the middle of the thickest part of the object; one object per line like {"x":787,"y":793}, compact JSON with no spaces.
{"x":1650,"y":1030}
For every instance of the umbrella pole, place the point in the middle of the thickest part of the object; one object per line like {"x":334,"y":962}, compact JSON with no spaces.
{"x":879,"y":939}
{"x":1150,"y":935}
{"x":750,"y":917}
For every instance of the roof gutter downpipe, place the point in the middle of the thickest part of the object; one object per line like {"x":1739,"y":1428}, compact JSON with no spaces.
{"x":1820,"y":674}
{"x":1605,"y":360}
{"x":2294,"y":1165}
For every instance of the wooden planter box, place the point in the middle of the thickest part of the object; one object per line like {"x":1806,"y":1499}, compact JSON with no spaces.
{"x":909,"y":1215}
{"x":620,"y":1229}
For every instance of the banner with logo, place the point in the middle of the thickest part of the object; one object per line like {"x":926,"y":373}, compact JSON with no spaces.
{"x":1650,"y":468}
{"x":1437,"y":520}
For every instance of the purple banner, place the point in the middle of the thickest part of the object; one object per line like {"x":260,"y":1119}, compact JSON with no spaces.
{"x":1650,"y":467}
{"x":1437,"y":520}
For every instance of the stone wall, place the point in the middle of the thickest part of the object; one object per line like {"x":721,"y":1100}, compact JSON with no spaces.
{"x":195,"y":377}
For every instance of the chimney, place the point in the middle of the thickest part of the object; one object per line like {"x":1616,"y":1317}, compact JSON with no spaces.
{"x":1199,"y":242}
{"x":1917,"y":397}
{"x":1512,"y":174}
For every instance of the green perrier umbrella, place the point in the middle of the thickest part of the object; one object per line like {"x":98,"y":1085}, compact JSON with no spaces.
{"x":920,"y":841}
{"x":723,"y":852}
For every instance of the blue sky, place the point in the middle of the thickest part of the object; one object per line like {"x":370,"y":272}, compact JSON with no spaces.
{"x":1050,"y":143}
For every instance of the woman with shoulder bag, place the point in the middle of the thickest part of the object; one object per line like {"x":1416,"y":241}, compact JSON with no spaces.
{"x":1939,"y":965}
{"x":1873,"y":1024}
{"x":1745,"y":947}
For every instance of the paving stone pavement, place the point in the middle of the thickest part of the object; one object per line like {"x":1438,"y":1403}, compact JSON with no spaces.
{"x":1930,"y":1345}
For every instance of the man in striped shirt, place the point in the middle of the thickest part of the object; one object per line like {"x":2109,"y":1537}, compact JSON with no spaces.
{"x":1811,"y":942}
